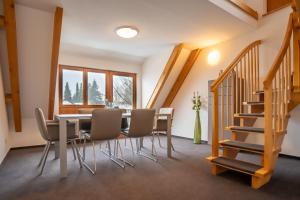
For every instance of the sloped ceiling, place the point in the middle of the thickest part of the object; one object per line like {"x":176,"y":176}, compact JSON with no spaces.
{"x":89,"y":25}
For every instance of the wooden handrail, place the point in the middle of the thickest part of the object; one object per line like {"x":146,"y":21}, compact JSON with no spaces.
{"x":232,"y":65}
{"x":286,"y":42}
{"x":245,"y":8}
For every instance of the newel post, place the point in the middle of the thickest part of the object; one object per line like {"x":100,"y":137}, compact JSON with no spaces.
{"x":268,"y":148}
{"x":215,"y":123}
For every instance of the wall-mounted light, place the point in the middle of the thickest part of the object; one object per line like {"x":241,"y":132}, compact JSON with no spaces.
{"x":127,"y":32}
{"x":213,"y":57}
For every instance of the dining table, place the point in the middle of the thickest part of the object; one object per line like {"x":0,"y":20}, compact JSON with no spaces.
{"x":61,"y":146}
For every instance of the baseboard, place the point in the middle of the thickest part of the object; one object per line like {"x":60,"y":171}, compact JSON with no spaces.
{"x":289,"y":156}
{"x":181,"y":137}
{"x":1,"y":161}
{"x":28,"y":147}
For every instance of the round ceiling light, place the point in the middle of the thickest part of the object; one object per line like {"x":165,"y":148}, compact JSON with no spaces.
{"x":127,"y":32}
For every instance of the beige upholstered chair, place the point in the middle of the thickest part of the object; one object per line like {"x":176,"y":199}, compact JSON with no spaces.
{"x":141,"y":125}
{"x":162,"y":123}
{"x":49,"y":131}
{"x":106,"y":126}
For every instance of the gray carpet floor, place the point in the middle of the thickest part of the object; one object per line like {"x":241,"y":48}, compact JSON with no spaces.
{"x":186,"y":177}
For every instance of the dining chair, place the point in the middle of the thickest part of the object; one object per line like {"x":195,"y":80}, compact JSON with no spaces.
{"x":49,"y":130}
{"x":141,"y":125}
{"x":106,"y":126}
{"x":162,"y":123}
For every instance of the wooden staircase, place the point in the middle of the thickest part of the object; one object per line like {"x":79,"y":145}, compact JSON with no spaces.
{"x":239,"y":102}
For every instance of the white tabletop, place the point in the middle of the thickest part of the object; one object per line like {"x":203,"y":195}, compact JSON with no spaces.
{"x":89,"y":116}
{"x":74,"y":116}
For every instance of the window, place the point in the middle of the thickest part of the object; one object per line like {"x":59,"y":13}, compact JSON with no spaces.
{"x":123,"y":91}
{"x":96,"y":88}
{"x":82,"y":87}
{"x":72,"y":87}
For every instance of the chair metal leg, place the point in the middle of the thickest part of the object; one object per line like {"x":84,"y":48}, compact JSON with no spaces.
{"x":151,"y":157}
{"x":159,"y":140}
{"x":73,"y":150}
{"x":115,"y":148}
{"x":112,"y":156}
{"x":152,"y":147}
{"x":78,"y":153}
{"x":44,"y":160}
{"x":132,"y":148}
{"x":122,"y":155}
{"x":109,"y":149}
{"x":95,"y":163}
{"x":137,"y":145}
{"x":121,"y":152}
{"x":44,"y":153}
{"x":86,"y":165}
{"x":83,"y":148}
{"x":172,"y":147}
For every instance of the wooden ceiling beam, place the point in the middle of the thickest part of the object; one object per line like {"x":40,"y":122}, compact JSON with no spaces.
{"x":245,"y":8}
{"x":11,"y":38}
{"x":58,"y":17}
{"x":165,"y":74}
{"x":181,"y":77}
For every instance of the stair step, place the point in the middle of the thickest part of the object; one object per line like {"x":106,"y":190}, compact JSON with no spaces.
{"x":254,"y":148}
{"x":246,"y":129}
{"x":237,"y":165}
{"x":249,"y":115}
{"x":254,"y":103}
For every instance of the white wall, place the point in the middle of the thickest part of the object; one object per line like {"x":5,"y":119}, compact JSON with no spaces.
{"x":4,"y":143}
{"x":72,"y":59}
{"x":271,"y":31}
{"x":151,"y":71}
{"x":179,"y":64}
{"x":34,"y":40}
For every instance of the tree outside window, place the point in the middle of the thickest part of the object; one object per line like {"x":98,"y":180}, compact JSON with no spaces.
{"x":123,"y":91}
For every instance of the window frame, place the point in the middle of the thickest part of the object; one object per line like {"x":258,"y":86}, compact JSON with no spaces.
{"x":71,"y":109}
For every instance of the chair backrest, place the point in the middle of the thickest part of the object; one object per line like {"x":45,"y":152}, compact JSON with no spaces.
{"x":106,"y":124}
{"x":169,"y":111}
{"x":141,"y":123}
{"x":86,"y":110}
{"x":42,"y":125}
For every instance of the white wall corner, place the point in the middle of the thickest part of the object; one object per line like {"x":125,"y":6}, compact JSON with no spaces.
{"x":233,"y":10}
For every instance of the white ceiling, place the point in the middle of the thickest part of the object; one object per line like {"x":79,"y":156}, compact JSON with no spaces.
{"x":88,"y":26}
